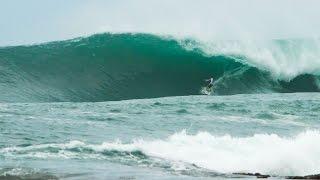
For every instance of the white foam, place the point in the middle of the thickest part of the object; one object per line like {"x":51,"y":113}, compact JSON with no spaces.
{"x":263,"y":153}
{"x":285,"y":59}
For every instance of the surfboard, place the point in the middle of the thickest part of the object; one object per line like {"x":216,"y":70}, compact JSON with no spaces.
{"x":206,"y":91}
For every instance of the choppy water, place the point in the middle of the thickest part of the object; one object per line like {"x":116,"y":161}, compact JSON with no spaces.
{"x":163,"y":138}
{"x":59,"y":120}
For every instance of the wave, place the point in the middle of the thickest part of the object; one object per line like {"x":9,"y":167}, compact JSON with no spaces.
{"x":127,"y":66}
{"x":24,"y":173}
{"x":198,"y":154}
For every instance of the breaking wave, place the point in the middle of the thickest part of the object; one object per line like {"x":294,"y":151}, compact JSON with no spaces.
{"x":203,"y":152}
{"x":128,"y":66}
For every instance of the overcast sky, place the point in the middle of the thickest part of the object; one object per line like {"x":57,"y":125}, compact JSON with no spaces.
{"x":34,"y":21}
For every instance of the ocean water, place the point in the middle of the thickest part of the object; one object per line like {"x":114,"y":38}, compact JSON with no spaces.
{"x":129,"y":106}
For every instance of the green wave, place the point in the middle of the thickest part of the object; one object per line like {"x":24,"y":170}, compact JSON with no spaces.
{"x":127,"y":66}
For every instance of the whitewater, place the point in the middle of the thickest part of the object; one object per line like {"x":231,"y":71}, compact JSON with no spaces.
{"x":162,"y":138}
{"x":129,"y":106}
{"x":115,"y":89}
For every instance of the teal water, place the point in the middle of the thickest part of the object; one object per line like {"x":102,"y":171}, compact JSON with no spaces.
{"x":129,"y":106}
{"x":107,"y":67}
{"x":163,"y":138}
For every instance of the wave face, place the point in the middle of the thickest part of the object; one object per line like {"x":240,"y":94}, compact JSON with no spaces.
{"x":127,"y":66}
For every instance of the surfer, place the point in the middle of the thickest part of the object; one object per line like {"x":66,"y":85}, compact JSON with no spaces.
{"x":210,"y":85}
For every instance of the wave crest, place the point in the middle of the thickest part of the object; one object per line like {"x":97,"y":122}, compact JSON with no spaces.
{"x":285,"y":59}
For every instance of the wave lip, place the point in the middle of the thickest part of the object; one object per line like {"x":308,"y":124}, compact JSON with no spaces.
{"x":129,"y":66}
{"x":263,"y":153}
{"x":284,"y":58}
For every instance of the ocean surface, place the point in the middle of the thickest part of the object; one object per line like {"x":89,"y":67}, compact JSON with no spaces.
{"x":129,"y":106}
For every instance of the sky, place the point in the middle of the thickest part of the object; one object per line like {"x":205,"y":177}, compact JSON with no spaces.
{"x":36,"y":21}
